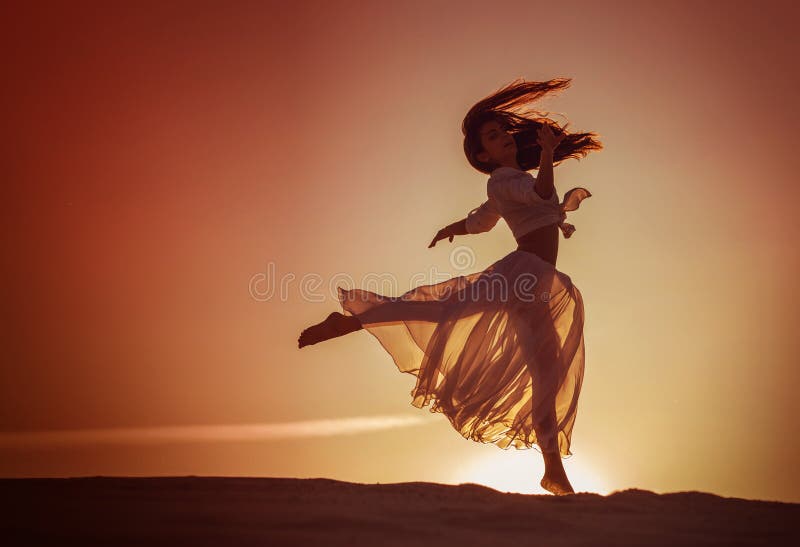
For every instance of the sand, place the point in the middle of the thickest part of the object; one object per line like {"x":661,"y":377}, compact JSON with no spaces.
{"x":226,"y":511}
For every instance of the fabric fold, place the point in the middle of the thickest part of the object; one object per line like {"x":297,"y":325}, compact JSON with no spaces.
{"x":571,"y":202}
{"x":499,"y":352}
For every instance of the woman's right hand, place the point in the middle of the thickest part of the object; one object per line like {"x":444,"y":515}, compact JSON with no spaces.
{"x":547,"y":140}
{"x":444,"y":233}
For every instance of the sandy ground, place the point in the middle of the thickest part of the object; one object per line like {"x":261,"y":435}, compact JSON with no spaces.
{"x":283,"y":511}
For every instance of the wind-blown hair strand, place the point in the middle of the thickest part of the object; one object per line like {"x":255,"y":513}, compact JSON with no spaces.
{"x":510,"y":107}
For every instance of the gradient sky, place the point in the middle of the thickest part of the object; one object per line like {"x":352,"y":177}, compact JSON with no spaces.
{"x":159,"y":159}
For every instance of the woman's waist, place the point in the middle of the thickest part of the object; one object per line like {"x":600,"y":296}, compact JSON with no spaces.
{"x":542,"y":241}
{"x":537,"y":235}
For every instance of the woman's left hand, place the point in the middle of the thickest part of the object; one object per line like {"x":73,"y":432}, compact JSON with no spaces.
{"x":547,"y":140}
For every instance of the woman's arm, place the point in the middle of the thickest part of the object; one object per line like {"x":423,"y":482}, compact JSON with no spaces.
{"x":481,"y":219}
{"x":458,"y":228}
{"x":548,"y":142}
{"x":544,"y":178}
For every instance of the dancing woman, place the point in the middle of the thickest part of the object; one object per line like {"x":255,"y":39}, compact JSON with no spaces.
{"x":500,"y":352}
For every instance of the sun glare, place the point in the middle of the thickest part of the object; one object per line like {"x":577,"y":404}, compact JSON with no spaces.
{"x":519,"y":471}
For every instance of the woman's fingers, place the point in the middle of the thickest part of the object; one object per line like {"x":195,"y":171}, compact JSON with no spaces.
{"x":546,"y":137}
{"x":439,"y":236}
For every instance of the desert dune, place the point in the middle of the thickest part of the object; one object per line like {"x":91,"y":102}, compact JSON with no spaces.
{"x":318,"y":511}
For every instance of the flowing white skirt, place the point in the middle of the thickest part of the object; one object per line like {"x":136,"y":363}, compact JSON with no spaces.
{"x":499,"y":352}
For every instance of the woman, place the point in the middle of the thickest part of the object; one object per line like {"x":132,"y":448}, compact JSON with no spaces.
{"x":499,"y":352}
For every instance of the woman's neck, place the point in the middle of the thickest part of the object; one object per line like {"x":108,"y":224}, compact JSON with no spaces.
{"x":513,"y":163}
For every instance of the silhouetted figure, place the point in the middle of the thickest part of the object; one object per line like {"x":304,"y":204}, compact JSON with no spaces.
{"x":500,"y":352}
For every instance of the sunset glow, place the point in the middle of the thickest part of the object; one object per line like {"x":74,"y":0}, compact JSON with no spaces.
{"x":172,"y":163}
{"x":520,"y":472}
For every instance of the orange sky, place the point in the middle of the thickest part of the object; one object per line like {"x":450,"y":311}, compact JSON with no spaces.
{"x":161,"y":158}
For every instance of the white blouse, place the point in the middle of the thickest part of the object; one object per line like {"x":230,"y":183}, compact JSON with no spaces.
{"x":512,"y":196}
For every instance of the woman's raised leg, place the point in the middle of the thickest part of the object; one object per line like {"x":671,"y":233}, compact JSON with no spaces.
{"x":391,"y":311}
{"x":335,"y":325}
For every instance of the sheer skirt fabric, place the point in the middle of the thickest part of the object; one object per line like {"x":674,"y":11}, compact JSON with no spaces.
{"x":499,"y":352}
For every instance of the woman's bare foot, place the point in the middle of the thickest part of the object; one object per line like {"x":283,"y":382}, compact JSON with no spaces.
{"x":336,"y":324}
{"x":559,"y":486}
{"x":555,"y":478}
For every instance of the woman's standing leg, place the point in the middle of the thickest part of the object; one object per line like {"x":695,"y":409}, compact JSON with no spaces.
{"x":544,"y":370}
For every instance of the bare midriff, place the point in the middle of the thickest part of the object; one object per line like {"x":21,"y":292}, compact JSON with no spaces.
{"x":543,"y":242}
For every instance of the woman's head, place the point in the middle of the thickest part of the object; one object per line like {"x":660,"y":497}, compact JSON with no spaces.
{"x":489,"y":142}
{"x":495,"y":144}
{"x":498,"y":132}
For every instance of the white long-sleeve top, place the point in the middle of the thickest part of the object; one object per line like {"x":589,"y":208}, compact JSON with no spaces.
{"x":511,"y":195}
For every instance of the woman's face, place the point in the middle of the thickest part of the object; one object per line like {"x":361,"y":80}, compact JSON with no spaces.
{"x":498,"y":144}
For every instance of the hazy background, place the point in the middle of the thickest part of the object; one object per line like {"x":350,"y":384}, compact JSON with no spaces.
{"x":159,"y":158}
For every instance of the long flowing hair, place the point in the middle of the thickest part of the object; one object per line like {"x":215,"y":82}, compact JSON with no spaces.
{"x":509,"y":106}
